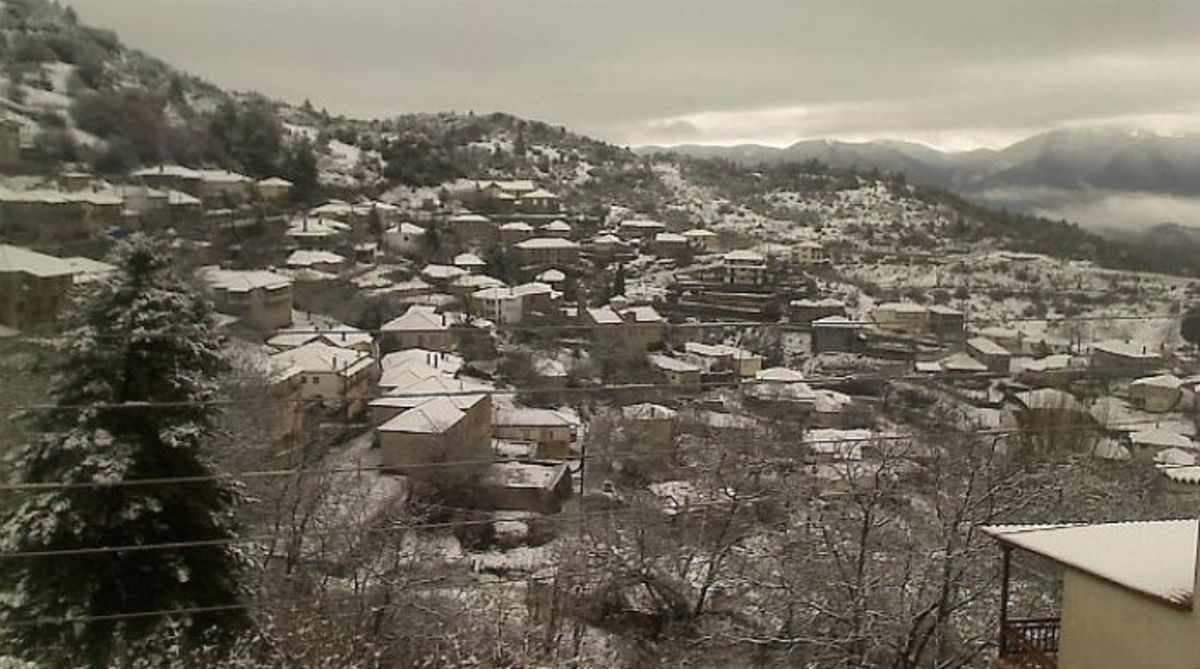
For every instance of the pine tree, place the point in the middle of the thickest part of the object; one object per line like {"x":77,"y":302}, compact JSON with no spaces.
{"x":140,"y":352}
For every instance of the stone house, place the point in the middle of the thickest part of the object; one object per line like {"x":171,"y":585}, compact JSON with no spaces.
{"x":34,"y":287}
{"x":262,"y":299}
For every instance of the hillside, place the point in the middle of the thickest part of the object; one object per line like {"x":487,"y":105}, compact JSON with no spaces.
{"x":1071,"y":173}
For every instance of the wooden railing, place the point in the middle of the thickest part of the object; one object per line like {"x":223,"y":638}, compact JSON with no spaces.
{"x":1030,"y":643}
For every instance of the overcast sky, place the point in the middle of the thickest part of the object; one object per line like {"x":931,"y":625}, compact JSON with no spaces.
{"x":952,"y":73}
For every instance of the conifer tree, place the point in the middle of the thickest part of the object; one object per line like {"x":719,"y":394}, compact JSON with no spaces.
{"x":132,"y":401}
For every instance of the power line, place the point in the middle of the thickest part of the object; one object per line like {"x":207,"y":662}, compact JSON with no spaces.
{"x":54,"y":486}
{"x":858,"y":377}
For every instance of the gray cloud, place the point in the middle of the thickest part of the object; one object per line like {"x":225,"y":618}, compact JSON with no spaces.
{"x":956,"y":73}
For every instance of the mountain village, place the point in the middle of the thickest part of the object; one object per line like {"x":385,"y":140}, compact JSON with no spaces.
{"x":500,"y":363}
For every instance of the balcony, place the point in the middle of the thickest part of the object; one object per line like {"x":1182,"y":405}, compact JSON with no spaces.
{"x":1029,"y":643}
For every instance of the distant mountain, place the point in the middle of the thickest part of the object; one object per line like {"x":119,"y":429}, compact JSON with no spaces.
{"x":1068,"y":164}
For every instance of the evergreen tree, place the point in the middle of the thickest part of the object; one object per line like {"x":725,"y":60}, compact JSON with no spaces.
{"x":300,"y":167}
{"x":618,"y":282}
{"x":140,"y":352}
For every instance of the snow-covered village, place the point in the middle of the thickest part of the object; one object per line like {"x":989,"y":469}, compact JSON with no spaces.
{"x":286,"y":388}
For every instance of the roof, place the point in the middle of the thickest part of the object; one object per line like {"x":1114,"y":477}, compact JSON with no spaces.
{"x":1126,"y":349}
{"x":961,"y":362}
{"x":902,"y":308}
{"x":744,"y":256}
{"x":1169,"y":381}
{"x":552,"y":276}
{"x":1153,"y":558}
{"x":779,"y":375}
{"x":334,"y":335}
{"x":671,"y":364}
{"x":604,"y":316}
{"x":445,"y":272}
{"x":527,"y":417}
{"x":699,"y":232}
{"x":316,"y":227}
{"x":407,"y":228}
{"x":835,"y":322}
{"x":17,"y":259}
{"x":557,"y":226}
{"x":642,"y":223}
{"x":304,"y":258}
{"x":243,"y":281}
{"x":317,"y":357}
{"x":523,"y":475}
{"x":418,"y":317}
{"x":1161,"y":437}
{"x":468,"y":260}
{"x":468,"y":218}
{"x":643,"y":314}
{"x":446,"y":362}
{"x":547,"y":243}
{"x":177,"y":171}
{"x":670,"y":238}
{"x":647,"y":411}
{"x":519,"y":226}
{"x":540,"y":193}
{"x":1049,"y":398}
{"x":433,"y":416}
{"x":87,"y":269}
{"x":986,"y":346}
{"x":275,"y":181}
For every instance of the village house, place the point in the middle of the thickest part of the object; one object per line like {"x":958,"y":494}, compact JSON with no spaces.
{"x":606,"y":248}
{"x":538,"y":202}
{"x":469,"y":230}
{"x":446,"y":363}
{"x":836,"y":334}
{"x":415,"y":384}
{"x":809,"y":310}
{"x":274,"y":190}
{"x":261,"y":299}
{"x":703,"y":241}
{"x":994,"y":356}
{"x":723,"y":357}
{"x":1128,"y":596}
{"x":34,"y":287}
{"x":446,"y":429}
{"x":553,"y":432}
{"x":1124,"y":357}
{"x":337,"y":377}
{"x":405,"y":239}
{"x":514,"y":232}
{"x":651,"y":427}
{"x":1157,"y":394}
{"x":498,"y":304}
{"x":523,"y":486}
{"x":469,"y":284}
{"x":321,"y":261}
{"x":946,"y":323}
{"x":630,"y":328}
{"x":317,"y":233}
{"x":808,"y":253}
{"x":419,"y":327}
{"x":745,"y":267}
{"x":639,"y":228}
{"x":285,"y":413}
{"x":170,"y":177}
{"x":674,"y":371}
{"x":222,"y":187}
{"x":552,"y":277}
{"x":907,"y":317}
{"x":469,"y":262}
{"x":547,"y":252}
{"x":330,"y":334}
{"x":558,"y":228}
{"x":47,"y":215}
{"x":10,"y":144}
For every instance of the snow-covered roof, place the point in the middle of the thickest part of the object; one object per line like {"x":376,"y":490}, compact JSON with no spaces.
{"x":835,"y":322}
{"x":447,"y":363}
{"x":1175,"y":457}
{"x":744,"y":256}
{"x":17,"y":259}
{"x":335,"y":335}
{"x":307,"y":258}
{"x":243,"y":281}
{"x":606,"y":239}
{"x":1126,"y":349}
{"x":986,"y":346}
{"x":839,"y":444}
{"x":643,"y":314}
{"x":442,"y":272}
{"x":223,"y":176}
{"x":547,"y":243}
{"x":961,"y":362}
{"x":779,"y":375}
{"x":468,"y":218}
{"x":670,"y":238}
{"x":670,"y":364}
{"x":552,"y":276}
{"x":468,"y":260}
{"x":697,"y":233}
{"x":87,"y":270}
{"x":647,"y":411}
{"x":642,"y":224}
{"x":523,"y":475}
{"x":433,"y":416}
{"x":529,"y":417}
{"x":407,"y":228}
{"x":1156,"y":558}
{"x":604,"y":316}
{"x":1161,"y":437}
{"x":275,"y":181}
{"x":477,"y":281}
{"x":316,"y":227}
{"x":418,"y":317}
{"x":540,"y":193}
{"x":317,"y":357}
{"x":1049,"y":398}
{"x":1109,"y":449}
{"x":902,"y":308}
{"x":518,"y":226}
{"x":1169,"y":381}
{"x":557,"y":226}
{"x":177,"y":171}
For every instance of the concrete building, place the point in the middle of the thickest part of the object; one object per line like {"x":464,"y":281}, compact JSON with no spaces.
{"x":629,"y":328}
{"x":515,"y":232}
{"x":321,"y":261}
{"x":547,"y":252}
{"x":997,"y":358}
{"x":703,"y":241}
{"x":836,"y":334}
{"x":1124,"y":357}
{"x":539,"y":201}
{"x":675,"y":371}
{"x":405,"y":239}
{"x":524,"y":486}
{"x":419,"y":327}
{"x":445,"y":429}
{"x":261,"y":299}
{"x":809,"y":310}
{"x":552,"y":432}
{"x":745,"y":267}
{"x":1128,"y":596}
{"x":474,"y":231}
{"x":1157,"y":394}
{"x":336,"y":377}
{"x":640,"y":228}
{"x":34,"y":287}
{"x":651,"y":427}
